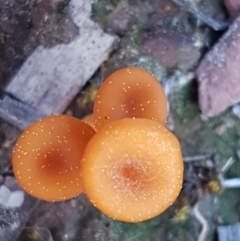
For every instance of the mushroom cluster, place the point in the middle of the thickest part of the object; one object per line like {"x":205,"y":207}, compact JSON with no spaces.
{"x":122,"y":157}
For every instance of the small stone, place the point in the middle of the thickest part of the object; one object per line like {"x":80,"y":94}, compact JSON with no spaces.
{"x":10,"y":199}
{"x":220,"y":129}
{"x":16,"y":199}
{"x":236,"y":110}
{"x":170,"y":49}
{"x":4,"y":195}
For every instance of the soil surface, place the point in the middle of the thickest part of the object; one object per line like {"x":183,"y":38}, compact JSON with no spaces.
{"x":168,"y":38}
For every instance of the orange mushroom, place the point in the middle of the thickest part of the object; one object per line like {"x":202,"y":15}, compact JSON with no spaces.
{"x":130,"y":92}
{"x":132,"y":169}
{"x":46,"y":158}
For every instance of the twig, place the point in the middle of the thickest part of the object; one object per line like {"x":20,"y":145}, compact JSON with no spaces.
{"x":227,"y":165}
{"x":202,"y":221}
{"x":196,"y":158}
{"x":231,"y":183}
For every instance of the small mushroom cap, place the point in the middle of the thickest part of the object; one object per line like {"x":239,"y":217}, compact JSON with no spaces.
{"x":132,"y":169}
{"x":47,"y":156}
{"x":130,"y":92}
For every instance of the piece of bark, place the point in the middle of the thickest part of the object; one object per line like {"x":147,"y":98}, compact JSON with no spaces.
{"x":229,"y":232}
{"x":51,"y":77}
{"x":218,"y":74}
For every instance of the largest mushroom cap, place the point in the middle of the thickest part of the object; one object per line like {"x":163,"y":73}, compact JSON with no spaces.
{"x":46,"y":158}
{"x":132,"y":169}
{"x":130,"y":92}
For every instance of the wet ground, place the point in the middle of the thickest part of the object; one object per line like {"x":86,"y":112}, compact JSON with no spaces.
{"x":168,"y":38}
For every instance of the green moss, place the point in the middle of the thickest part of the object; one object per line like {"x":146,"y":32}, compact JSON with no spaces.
{"x":134,"y":2}
{"x":228,"y":210}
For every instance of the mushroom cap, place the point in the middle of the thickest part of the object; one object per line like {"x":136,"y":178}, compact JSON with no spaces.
{"x":132,"y":169}
{"x":130,"y":92}
{"x":47,"y":156}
